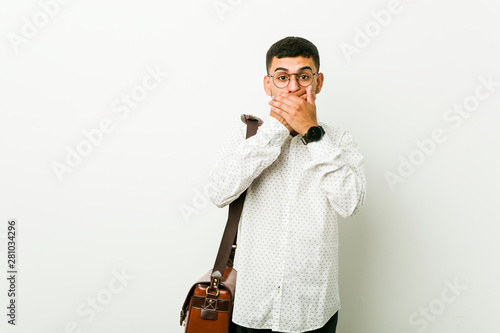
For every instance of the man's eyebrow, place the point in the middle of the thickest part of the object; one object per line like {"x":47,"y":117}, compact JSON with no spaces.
{"x":305,"y":67}
{"x":283,"y":69}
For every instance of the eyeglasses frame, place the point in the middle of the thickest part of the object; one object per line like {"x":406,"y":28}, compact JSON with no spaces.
{"x":296,"y":79}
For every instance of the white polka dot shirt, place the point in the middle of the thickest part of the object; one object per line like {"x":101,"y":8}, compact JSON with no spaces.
{"x":287,"y":255}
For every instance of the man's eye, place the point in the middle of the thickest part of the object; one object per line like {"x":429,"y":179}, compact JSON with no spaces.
{"x":304,"y":77}
{"x":282,"y":78}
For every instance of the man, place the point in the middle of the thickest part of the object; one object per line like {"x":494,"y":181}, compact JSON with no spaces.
{"x":299,"y":173}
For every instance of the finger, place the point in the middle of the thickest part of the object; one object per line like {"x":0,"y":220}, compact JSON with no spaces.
{"x":276,"y":115}
{"x":301,"y":93}
{"x":279,"y":118}
{"x":283,"y":114}
{"x":288,"y":99}
{"x":311,"y":97}
{"x":277,"y":112}
{"x":281,"y":106}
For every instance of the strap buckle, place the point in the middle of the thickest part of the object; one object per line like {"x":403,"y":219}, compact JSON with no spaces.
{"x":216,"y":290}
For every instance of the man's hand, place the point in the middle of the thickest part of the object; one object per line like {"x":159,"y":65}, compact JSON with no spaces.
{"x":299,"y":113}
{"x":282,"y":120}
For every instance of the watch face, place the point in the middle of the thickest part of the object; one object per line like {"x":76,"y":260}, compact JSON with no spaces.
{"x":314,"y":133}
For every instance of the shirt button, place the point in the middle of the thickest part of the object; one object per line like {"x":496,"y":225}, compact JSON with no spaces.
{"x":282,"y":259}
{"x":284,"y":229}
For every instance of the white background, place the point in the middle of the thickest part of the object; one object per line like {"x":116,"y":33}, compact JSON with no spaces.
{"x":119,"y":210}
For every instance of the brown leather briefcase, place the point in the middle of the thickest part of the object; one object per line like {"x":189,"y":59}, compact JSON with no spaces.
{"x":208,"y":305}
{"x":210,"y":311}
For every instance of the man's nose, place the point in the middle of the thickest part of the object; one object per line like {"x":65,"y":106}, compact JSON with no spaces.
{"x":293,"y":85}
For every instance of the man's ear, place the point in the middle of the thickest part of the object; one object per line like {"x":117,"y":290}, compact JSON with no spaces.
{"x":319,"y":85}
{"x":267,"y":86}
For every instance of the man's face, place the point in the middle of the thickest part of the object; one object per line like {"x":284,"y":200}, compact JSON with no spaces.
{"x":290,"y":66}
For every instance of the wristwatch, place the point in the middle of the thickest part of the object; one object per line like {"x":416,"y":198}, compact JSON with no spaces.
{"x":315,"y":133}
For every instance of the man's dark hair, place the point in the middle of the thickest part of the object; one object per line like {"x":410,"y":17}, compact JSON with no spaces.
{"x":291,"y":47}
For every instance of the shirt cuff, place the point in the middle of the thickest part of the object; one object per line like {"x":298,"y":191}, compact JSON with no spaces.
{"x":271,"y":132}
{"x":319,"y":150}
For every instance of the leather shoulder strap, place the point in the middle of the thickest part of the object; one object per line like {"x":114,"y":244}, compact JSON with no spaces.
{"x":235,"y":209}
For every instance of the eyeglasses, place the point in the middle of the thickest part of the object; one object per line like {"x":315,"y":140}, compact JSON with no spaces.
{"x":282,"y":79}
